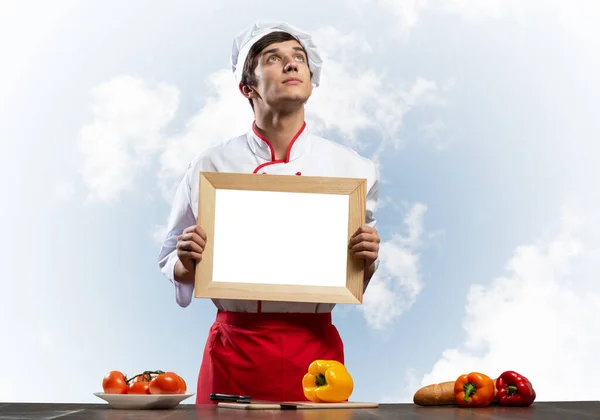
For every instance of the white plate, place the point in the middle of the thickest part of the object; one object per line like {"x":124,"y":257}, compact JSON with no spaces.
{"x":142,"y":401}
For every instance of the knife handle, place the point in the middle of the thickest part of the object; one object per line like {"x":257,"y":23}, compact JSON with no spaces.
{"x":230,"y":398}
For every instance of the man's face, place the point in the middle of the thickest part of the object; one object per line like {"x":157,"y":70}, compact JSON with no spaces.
{"x":283,"y":76}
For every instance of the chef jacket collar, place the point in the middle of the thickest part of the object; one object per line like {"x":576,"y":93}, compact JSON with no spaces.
{"x":262,"y":147}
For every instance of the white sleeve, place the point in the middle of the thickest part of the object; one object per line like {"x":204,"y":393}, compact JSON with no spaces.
{"x":181,"y":217}
{"x":372,"y":198}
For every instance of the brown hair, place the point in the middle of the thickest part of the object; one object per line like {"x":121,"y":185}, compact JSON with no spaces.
{"x":248,"y":77}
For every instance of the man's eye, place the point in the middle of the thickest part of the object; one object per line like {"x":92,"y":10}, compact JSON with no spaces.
{"x":272,"y":58}
{"x":299,"y":57}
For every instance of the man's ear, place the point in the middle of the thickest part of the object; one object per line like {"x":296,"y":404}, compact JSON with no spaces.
{"x":247,"y":91}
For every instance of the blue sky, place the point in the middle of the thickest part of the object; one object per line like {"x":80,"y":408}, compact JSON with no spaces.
{"x":482,"y":114}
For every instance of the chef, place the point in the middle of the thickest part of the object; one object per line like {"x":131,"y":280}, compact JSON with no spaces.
{"x":255,"y":348}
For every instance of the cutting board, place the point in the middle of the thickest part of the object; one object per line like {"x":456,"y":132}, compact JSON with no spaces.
{"x":296,"y":406}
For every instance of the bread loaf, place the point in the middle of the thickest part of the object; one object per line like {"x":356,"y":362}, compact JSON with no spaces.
{"x":436,"y":394}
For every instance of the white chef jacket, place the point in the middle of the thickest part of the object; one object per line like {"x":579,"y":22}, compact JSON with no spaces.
{"x":308,"y":154}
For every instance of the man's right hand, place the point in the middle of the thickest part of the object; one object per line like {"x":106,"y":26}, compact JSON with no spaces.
{"x":190,"y":246}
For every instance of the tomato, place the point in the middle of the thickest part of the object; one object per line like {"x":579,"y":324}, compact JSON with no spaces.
{"x":114,"y":383}
{"x":138,"y":387}
{"x":166,"y":383}
{"x":182,"y":385}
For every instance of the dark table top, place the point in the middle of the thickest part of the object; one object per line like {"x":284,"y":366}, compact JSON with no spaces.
{"x":539,"y":410}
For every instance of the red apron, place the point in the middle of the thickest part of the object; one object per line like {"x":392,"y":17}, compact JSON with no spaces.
{"x":265,"y":355}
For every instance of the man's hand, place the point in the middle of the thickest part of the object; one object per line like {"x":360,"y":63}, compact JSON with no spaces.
{"x":190,"y":246}
{"x":365,"y":244}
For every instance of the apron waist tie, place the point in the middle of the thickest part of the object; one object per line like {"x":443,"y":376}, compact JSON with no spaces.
{"x":274,"y":319}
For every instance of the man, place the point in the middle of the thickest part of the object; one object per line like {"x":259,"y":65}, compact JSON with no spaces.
{"x":263,"y":349}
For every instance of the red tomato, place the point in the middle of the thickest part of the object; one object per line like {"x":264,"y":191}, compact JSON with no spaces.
{"x":114,"y":383}
{"x":182,"y":385}
{"x":165,"y":383}
{"x":138,"y":387}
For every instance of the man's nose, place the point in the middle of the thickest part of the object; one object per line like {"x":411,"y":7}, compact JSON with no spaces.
{"x":291,"y":65}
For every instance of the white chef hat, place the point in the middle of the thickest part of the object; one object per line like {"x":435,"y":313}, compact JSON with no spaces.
{"x":245,"y":39}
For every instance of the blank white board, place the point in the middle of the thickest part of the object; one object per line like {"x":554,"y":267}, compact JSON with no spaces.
{"x":273,"y":237}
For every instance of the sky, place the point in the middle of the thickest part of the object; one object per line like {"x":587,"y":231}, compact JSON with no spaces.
{"x":482,"y":115}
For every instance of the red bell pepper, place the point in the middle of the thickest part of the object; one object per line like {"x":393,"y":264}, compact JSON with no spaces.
{"x":514,"y":390}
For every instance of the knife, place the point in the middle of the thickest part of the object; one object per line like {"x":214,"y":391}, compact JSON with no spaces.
{"x":246,"y":399}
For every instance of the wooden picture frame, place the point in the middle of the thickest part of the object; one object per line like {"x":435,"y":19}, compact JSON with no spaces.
{"x":280,"y":238}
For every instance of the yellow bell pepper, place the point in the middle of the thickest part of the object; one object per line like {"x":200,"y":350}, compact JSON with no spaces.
{"x":327,"y":381}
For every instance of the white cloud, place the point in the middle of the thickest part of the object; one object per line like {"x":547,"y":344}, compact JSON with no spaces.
{"x":539,"y":319}
{"x":481,"y":9}
{"x":345,"y":45}
{"x":353,"y":102}
{"x":397,"y":283}
{"x":64,"y":190}
{"x":577,"y":17}
{"x":431,"y":134}
{"x":225,"y":115}
{"x":127,"y":130}
{"x":407,"y":13}
{"x":354,"y":97}
{"x":159,"y":233}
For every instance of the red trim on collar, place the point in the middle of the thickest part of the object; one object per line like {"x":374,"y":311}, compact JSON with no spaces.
{"x":268,"y":143}
{"x":262,"y":165}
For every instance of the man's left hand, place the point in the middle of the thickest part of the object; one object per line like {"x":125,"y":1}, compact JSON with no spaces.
{"x":365,"y":244}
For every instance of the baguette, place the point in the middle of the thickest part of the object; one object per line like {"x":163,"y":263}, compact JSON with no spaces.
{"x":436,"y":394}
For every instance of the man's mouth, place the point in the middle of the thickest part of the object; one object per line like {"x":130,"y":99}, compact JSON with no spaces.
{"x":292,"y":81}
